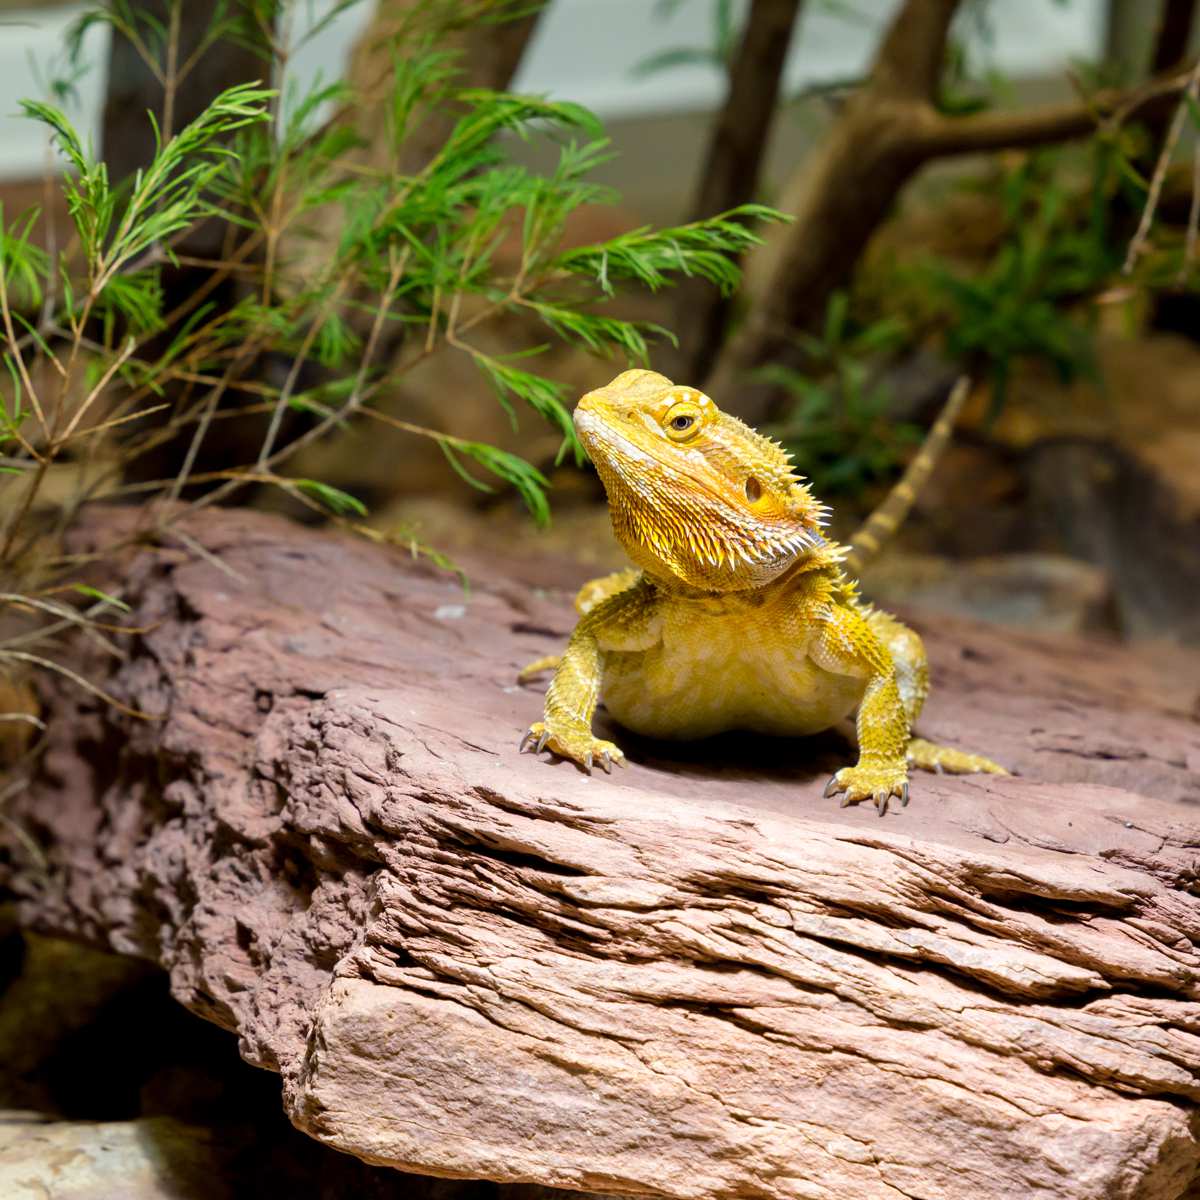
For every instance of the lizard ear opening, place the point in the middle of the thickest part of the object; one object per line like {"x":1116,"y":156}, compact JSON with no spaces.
{"x":753,"y":489}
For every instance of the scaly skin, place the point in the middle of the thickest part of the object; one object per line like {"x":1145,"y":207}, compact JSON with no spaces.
{"x":739,"y":615}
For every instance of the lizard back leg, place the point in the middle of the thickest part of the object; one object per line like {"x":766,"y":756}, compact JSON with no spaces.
{"x":929,"y":756}
{"x":529,"y":670}
{"x":912,"y":678}
{"x":592,"y":593}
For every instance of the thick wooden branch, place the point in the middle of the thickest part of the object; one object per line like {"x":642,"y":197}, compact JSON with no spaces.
{"x":908,"y":65}
{"x":1175,"y":26}
{"x":842,"y":196}
{"x":845,"y":192}
{"x":491,"y":53}
{"x":1006,"y":131}
{"x":730,"y":173}
{"x":941,"y":135}
{"x":838,"y":200}
{"x":731,"y":165}
{"x":695,"y":979}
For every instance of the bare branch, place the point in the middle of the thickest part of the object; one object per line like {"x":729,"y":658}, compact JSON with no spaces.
{"x":843,"y":194}
{"x":1175,"y":27}
{"x":1137,"y":245}
{"x":940,"y":135}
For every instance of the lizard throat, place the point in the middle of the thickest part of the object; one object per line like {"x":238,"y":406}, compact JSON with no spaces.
{"x":673,"y":523}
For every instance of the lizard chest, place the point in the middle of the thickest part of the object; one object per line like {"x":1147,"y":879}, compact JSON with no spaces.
{"x":726,"y":666}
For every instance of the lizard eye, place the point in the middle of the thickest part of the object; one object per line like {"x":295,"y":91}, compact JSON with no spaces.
{"x":682,"y":422}
{"x":753,"y":489}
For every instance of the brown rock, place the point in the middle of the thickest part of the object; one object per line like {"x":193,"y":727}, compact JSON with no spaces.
{"x":1104,"y":506}
{"x":695,"y":979}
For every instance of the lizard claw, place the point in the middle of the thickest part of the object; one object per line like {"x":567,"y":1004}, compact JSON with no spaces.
{"x":577,"y":745}
{"x":541,"y":735}
{"x":875,"y":781}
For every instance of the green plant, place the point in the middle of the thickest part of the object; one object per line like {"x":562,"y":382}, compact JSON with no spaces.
{"x":1032,"y":299}
{"x":837,"y":424}
{"x":99,"y":372}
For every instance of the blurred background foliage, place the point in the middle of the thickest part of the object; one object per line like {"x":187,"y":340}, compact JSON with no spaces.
{"x":355,"y":262}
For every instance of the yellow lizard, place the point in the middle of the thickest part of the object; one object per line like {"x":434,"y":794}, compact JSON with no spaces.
{"x":739,"y":613}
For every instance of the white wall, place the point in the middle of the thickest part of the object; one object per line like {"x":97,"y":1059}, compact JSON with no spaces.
{"x":31,"y":54}
{"x":584,"y":51}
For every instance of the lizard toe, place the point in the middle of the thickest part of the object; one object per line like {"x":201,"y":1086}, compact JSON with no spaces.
{"x":576,"y":744}
{"x":877,"y":782}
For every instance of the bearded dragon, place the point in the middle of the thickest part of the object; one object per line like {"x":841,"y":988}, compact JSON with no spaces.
{"x":740,"y":614}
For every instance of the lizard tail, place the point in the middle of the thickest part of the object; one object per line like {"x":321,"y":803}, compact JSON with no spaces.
{"x":886,"y":519}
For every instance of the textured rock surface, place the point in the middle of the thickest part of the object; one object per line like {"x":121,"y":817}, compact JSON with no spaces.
{"x":695,"y":979}
{"x":91,"y":1108}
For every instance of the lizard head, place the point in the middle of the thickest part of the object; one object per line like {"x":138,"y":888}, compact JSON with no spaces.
{"x":695,"y":494}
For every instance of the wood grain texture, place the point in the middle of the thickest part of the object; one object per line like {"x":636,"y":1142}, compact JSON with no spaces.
{"x":696,"y":979}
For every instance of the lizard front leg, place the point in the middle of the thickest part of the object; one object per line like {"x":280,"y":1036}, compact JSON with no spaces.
{"x":847,"y":645}
{"x":623,"y":622}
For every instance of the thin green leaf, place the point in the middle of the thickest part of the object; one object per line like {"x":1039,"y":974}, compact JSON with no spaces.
{"x":334,"y":499}
{"x":85,"y":589}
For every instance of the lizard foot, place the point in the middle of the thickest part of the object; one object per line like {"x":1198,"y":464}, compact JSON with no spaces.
{"x":578,"y":746}
{"x":871,"y":781}
{"x":929,"y":756}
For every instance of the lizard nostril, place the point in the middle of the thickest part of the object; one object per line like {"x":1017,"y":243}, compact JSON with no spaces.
{"x":753,"y":489}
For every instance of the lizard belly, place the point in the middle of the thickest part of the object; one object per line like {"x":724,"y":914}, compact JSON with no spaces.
{"x":712,"y":679}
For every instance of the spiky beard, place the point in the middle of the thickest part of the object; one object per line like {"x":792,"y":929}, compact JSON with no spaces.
{"x":670,"y":525}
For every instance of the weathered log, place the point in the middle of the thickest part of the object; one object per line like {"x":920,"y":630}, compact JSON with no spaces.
{"x":695,"y":979}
